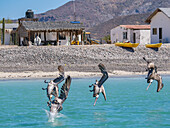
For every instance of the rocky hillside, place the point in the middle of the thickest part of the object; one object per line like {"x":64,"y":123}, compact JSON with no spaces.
{"x":103,"y":29}
{"x":81,"y":58}
{"x":94,"y":12}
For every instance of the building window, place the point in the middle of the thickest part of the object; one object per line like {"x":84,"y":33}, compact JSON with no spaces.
{"x":154,"y":31}
{"x":125,"y":35}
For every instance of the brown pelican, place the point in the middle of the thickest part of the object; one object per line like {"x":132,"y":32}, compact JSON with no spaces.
{"x":98,"y":86}
{"x":158,"y":78}
{"x":56,"y":104}
{"x":152,"y":75}
{"x":52,"y":87}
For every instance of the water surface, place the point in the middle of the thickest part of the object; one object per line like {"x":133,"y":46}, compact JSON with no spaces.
{"x":23,"y":104}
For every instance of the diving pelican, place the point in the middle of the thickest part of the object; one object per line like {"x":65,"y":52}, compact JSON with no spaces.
{"x":152,"y":75}
{"x":56,"y":105}
{"x":52,"y":87}
{"x":98,"y":86}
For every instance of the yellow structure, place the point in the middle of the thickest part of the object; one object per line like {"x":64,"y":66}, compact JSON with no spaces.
{"x":129,"y":45}
{"x":153,"y":45}
{"x":89,"y":40}
{"x":75,"y":42}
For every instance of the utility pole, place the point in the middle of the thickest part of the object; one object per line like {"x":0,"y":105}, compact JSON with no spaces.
{"x":74,"y":6}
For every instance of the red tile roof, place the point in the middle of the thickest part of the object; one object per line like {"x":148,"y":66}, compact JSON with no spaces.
{"x":136,"y":26}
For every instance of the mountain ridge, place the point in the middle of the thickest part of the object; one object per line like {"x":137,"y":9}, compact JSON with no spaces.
{"x":94,"y":13}
{"x":103,"y":29}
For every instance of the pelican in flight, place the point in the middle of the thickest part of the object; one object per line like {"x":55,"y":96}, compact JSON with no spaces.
{"x":152,"y":75}
{"x":98,"y":86}
{"x":52,"y":87}
{"x":56,"y":105}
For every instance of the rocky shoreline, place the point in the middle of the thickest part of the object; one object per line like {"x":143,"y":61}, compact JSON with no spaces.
{"x":81,"y":58}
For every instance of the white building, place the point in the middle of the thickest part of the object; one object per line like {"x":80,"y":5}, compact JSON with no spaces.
{"x":160,"y":25}
{"x":133,"y":33}
{"x":8,"y":29}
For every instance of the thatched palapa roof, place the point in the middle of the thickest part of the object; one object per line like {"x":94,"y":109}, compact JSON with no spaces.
{"x":51,"y":26}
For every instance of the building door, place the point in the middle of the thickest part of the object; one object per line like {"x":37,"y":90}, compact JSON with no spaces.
{"x":134,"y":37}
{"x":160,"y":35}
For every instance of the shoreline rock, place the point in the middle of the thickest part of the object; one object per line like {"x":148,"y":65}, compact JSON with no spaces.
{"x":81,"y":58}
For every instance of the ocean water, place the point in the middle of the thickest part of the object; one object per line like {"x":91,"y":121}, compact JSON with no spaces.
{"x":128,"y":105}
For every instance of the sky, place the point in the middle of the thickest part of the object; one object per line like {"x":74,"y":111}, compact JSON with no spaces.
{"x":14,"y":9}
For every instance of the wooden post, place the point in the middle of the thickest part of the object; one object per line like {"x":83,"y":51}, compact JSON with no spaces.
{"x":76,"y":36}
{"x":57,"y":38}
{"x":55,"y":43}
{"x":70,"y":37}
{"x":34,"y":34}
{"x":82,"y":42}
{"x":15,"y":39}
{"x":29,"y":38}
{"x":84,"y":36}
{"x":28,"y":35}
{"x":45,"y":38}
{"x":19,"y":39}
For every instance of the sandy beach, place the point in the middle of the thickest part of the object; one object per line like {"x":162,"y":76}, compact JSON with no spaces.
{"x":80,"y":61}
{"x":73,"y":74}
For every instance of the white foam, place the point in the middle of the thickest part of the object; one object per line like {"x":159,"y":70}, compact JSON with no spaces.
{"x":53,"y":116}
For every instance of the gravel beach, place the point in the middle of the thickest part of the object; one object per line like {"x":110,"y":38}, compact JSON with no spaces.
{"x":45,"y":59}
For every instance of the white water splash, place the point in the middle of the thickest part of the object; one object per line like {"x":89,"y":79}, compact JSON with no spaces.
{"x":53,"y":116}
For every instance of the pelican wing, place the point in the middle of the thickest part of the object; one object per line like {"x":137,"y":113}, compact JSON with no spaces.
{"x":65,"y":89}
{"x":158,"y":78}
{"x":61,"y":73}
{"x":105,"y":75}
{"x":103,"y":92}
{"x":58,"y":79}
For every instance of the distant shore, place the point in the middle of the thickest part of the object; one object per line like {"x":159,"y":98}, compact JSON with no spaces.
{"x":73,"y":74}
{"x":80,"y":61}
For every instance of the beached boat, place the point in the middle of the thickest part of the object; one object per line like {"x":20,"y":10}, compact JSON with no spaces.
{"x":153,"y":45}
{"x":129,"y":45}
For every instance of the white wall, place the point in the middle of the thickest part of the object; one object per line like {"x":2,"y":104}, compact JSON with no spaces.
{"x":145,"y":37}
{"x":160,"y":20}
{"x":142,"y":36}
{"x":117,"y":34}
{"x":8,"y":30}
{"x":7,"y":36}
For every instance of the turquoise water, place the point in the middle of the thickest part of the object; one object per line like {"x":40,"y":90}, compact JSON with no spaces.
{"x":23,"y":104}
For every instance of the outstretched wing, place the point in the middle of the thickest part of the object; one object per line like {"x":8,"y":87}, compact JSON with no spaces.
{"x":58,"y":79}
{"x":103,"y":92}
{"x":105,"y":74}
{"x":65,"y":89}
{"x":158,"y":78}
{"x":61,"y":77}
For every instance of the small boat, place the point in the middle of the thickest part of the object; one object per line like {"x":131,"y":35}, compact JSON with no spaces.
{"x":129,"y":45}
{"x":153,"y":45}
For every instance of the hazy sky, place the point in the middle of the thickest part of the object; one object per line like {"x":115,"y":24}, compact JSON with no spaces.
{"x":14,"y":9}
